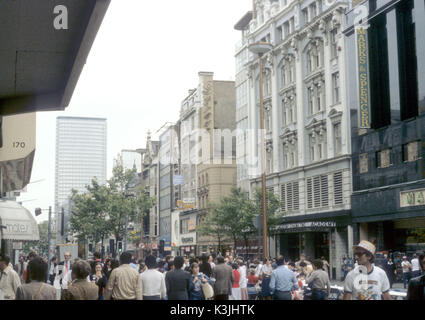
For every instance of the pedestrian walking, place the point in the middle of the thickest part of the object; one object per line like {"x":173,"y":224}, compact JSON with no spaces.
{"x":205,"y":266}
{"x":282,"y":282}
{"x":37,"y":289}
{"x":366,"y":281}
{"x":319,"y":280}
{"x":153,"y":281}
{"x":236,"y":290}
{"x":416,"y":270}
{"x":211,"y":262}
{"x":391,"y":271}
{"x":416,"y":289}
{"x":20,"y":268}
{"x":124,"y":282}
{"x":302,"y":261}
{"x":107,"y":267}
{"x":223,"y":275}
{"x":9,"y":279}
{"x":243,"y":281}
{"x":52,"y":271}
{"x":252,"y":285}
{"x":99,"y":279}
{"x":62,"y":270}
{"x":80,"y":288}
{"x":326,"y":266}
{"x":407,"y":267}
{"x":265,"y":277}
{"x":197,"y":280}
{"x":177,"y":281}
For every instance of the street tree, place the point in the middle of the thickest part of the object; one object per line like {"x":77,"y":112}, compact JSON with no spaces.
{"x":232,"y":217}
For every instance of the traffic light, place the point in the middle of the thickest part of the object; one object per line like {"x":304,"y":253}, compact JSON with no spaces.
{"x":119,"y":246}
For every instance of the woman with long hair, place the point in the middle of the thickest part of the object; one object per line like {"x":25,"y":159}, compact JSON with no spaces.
{"x":197,"y":279}
{"x":99,"y":278}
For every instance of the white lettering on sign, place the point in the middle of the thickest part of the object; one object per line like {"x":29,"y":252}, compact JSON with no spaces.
{"x":61,"y":21}
{"x":17,"y":228}
{"x":412,"y":198}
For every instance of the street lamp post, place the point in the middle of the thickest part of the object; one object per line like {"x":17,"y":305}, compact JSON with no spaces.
{"x":260,"y":48}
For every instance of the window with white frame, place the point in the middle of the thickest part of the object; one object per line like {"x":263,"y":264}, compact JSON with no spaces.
{"x":317,"y":140}
{"x":334,"y":43}
{"x":242,"y":95}
{"x":337,"y":138}
{"x":335,"y":88}
{"x":305,"y":15}
{"x":283,"y":72}
{"x":313,"y":10}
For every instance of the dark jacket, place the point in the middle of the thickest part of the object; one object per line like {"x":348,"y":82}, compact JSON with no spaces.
{"x":223,"y":279}
{"x":205,"y":268}
{"x":178,"y":284}
{"x":416,"y":288}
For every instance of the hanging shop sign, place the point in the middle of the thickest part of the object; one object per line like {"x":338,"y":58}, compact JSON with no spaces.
{"x":363,"y":77}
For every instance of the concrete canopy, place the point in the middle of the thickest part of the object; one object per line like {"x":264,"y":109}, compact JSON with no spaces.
{"x":40,"y":64}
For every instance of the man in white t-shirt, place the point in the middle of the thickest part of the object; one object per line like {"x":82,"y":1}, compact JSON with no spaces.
{"x":416,"y":271}
{"x":406,"y":266}
{"x":366,"y":282}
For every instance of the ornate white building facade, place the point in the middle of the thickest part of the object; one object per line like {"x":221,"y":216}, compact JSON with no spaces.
{"x":307,"y":123}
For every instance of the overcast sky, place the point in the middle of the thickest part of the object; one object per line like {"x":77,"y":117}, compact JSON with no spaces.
{"x":145,"y":58}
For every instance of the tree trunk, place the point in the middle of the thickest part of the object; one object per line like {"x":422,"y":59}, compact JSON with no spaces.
{"x":234,"y":242}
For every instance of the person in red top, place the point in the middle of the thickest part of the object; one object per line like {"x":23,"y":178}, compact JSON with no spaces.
{"x":236,"y":290}
{"x":252,"y":281}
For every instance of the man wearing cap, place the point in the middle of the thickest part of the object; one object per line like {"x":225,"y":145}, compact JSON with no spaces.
{"x":366,"y":281}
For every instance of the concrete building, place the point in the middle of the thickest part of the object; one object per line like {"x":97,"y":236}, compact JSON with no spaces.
{"x":208,"y":162}
{"x":307,"y":127}
{"x":388,"y":122}
{"x":80,"y":157}
{"x":149,"y":180}
{"x":168,"y":166}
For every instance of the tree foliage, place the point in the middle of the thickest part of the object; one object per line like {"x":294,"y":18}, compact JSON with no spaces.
{"x":104,"y":210}
{"x":233,"y":217}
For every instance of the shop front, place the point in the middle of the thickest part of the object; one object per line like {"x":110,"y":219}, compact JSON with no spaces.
{"x":187,"y":231}
{"x":17,"y":225}
{"x":316,"y":236}
{"x":393,"y":218}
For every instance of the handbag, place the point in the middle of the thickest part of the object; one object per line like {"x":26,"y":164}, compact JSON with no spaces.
{"x":207,"y":290}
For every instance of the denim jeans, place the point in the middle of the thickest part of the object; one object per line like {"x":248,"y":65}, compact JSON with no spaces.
{"x":318,"y":295}
{"x":416,"y":273}
{"x":406,"y":278}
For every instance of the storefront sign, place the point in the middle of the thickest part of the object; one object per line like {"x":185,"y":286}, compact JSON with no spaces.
{"x":191,"y":225}
{"x":363,"y":77}
{"x":412,"y":198}
{"x":182,"y":204}
{"x":187,"y":240}
{"x":311,"y":226}
{"x":17,"y":245}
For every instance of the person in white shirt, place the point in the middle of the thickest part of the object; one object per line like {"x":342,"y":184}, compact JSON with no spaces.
{"x":258,"y":268}
{"x":62,"y":270}
{"x":406,"y":266}
{"x":243,"y":280}
{"x":366,"y":282}
{"x":416,"y":271}
{"x":9,"y":279}
{"x":153,"y":281}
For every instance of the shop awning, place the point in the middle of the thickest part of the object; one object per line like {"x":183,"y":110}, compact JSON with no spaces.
{"x":18,"y":222}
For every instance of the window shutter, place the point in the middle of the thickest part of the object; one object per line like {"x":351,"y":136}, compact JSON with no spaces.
{"x":324,"y":190}
{"x":338,"y":196}
{"x":316,"y":190}
{"x":309,"y":194}
{"x":289,"y":196}
{"x":283,"y":197}
{"x":296,"y":191}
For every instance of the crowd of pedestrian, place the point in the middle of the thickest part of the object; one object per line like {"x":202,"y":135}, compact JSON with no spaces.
{"x":200,"y":278}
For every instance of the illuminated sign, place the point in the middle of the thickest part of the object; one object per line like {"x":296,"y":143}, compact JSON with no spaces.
{"x":363,"y":77}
